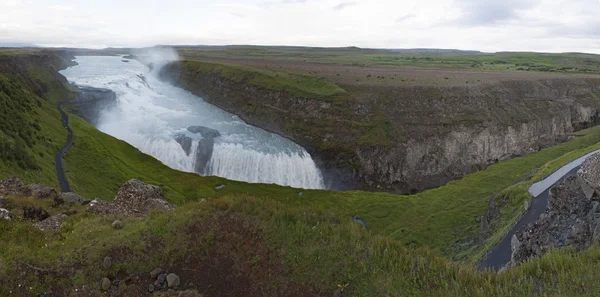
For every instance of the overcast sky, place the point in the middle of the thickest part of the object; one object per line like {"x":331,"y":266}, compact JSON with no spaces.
{"x":515,"y":25}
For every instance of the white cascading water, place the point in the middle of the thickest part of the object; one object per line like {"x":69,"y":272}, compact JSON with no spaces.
{"x":151,"y":112}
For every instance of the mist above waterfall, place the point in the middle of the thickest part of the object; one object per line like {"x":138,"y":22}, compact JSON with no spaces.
{"x":151,"y":115}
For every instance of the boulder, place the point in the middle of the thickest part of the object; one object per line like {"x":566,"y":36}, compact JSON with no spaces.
{"x":155,"y":272}
{"x":40,"y":191}
{"x":204,"y":131}
{"x":141,"y":197}
{"x":35,"y":213}
{"x":4,"y":214}
{"x":51,"y":223}
{"x":134,"y":198}
{"x":107,"y":263}
{"x":11,"y":186}
{"x":185,"y":142}
{"x":70,"y":198}
{"x":117,"y":224}
{"x":105,"y":285}
{"x":173,"y":281}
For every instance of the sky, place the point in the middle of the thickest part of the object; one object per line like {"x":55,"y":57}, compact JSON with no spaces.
{"x":490,"y":26}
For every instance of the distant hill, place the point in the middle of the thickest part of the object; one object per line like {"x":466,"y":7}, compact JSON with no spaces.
{"x":17,"y":44}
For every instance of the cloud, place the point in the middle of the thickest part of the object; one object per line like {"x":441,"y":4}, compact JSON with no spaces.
{"x":501,"y":25}
{"x":405,"y":17}
{"x":487,"y":12}
{"x":344,"y":5}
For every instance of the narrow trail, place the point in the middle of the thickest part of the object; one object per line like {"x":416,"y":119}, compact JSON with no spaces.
{"x":58,"y":158}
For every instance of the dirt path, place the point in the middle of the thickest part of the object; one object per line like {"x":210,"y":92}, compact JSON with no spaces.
{"x":58,"y":158}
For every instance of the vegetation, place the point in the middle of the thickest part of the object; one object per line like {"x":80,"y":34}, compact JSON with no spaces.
{"x":502,"y":61}
{"x":401,"y":254}
{"x":296,"y":84}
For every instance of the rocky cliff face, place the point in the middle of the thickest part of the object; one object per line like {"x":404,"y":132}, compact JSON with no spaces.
{"x":572,"y":217}
{"x":407,"y":139}
{"x":90,"y":102}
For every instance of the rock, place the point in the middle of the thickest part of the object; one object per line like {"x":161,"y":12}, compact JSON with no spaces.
{"x":11,"y":186}
{"x":204,"y":131}
{"x":131,"y":279}
{"x":204,"y":152}
{"x":117,"y":224}
{"x":116,"y":283}
{"x":161,"y":278}
{"x":134,"y":198}
{"x":173,"y":281}
{"x":486,"y":222}
{"x":52,"y":223}
{"x":526,"y":205}
{"x":40,"y":191}
{"x":1,"y":201}
{"x":589,"y":176}
{"x":151,"y":288}
{"x":35,"y":213}
{"x":219,"y":187}
{"x":156,"y":272}
{"x":569,"y":220}
{"x":4,"y":214}
{"x":185,"y":142}
{"x":70,"y":198}
{"x":141,"y":197}
{"x":106,"y":284}
{"x":107,"y":263}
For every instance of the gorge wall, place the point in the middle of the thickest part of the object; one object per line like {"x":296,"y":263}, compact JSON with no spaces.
{"x":406,"y":139}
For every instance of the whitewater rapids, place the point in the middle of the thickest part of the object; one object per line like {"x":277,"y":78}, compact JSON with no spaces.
{"x":151,"y":112}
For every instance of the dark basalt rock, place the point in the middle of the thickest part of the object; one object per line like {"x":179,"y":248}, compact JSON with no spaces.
{"x":90,"y":102}
{"x":185,"y":142}
{"x":203,"y":154}
{"x":204,"y":131}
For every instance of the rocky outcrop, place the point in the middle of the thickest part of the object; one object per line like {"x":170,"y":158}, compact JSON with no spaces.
{"x":90,"y":102}
{"x":11,"y":186}
{"x":572,"y":217}
{"x":4,"y":214}
{"x":205,"y":147}
{"x":39,"y":191}
{"x":204,"y":131}
{"x":203,"y":154}
{"x":134,"y":198}
{"x":185,"y":142}
{"x":51,"y":223}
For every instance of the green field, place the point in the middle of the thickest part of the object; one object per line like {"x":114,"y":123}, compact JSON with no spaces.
{"x":408,"y":250}
{"x":513,"y":61}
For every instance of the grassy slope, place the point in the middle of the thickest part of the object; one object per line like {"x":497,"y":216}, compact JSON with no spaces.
{"x":442,"y":219}
{"x":307,"y":247}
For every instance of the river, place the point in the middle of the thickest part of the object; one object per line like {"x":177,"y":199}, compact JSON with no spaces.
{"x":150,"y":113}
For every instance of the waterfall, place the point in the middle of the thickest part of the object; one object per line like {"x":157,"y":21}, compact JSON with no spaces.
{"x":150,"y":114}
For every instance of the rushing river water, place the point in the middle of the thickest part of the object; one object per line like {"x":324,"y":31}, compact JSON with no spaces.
{"x":151,"y":113}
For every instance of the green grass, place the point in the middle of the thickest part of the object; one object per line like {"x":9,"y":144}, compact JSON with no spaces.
{"x":443,"y":219}
{"x":295,"y":84}
{"x":400,"y":255}
{"x":319,"y":252}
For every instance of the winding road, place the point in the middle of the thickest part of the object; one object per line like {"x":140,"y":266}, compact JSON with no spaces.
{"x":58,"y":158}
{"x":500,"y":254}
